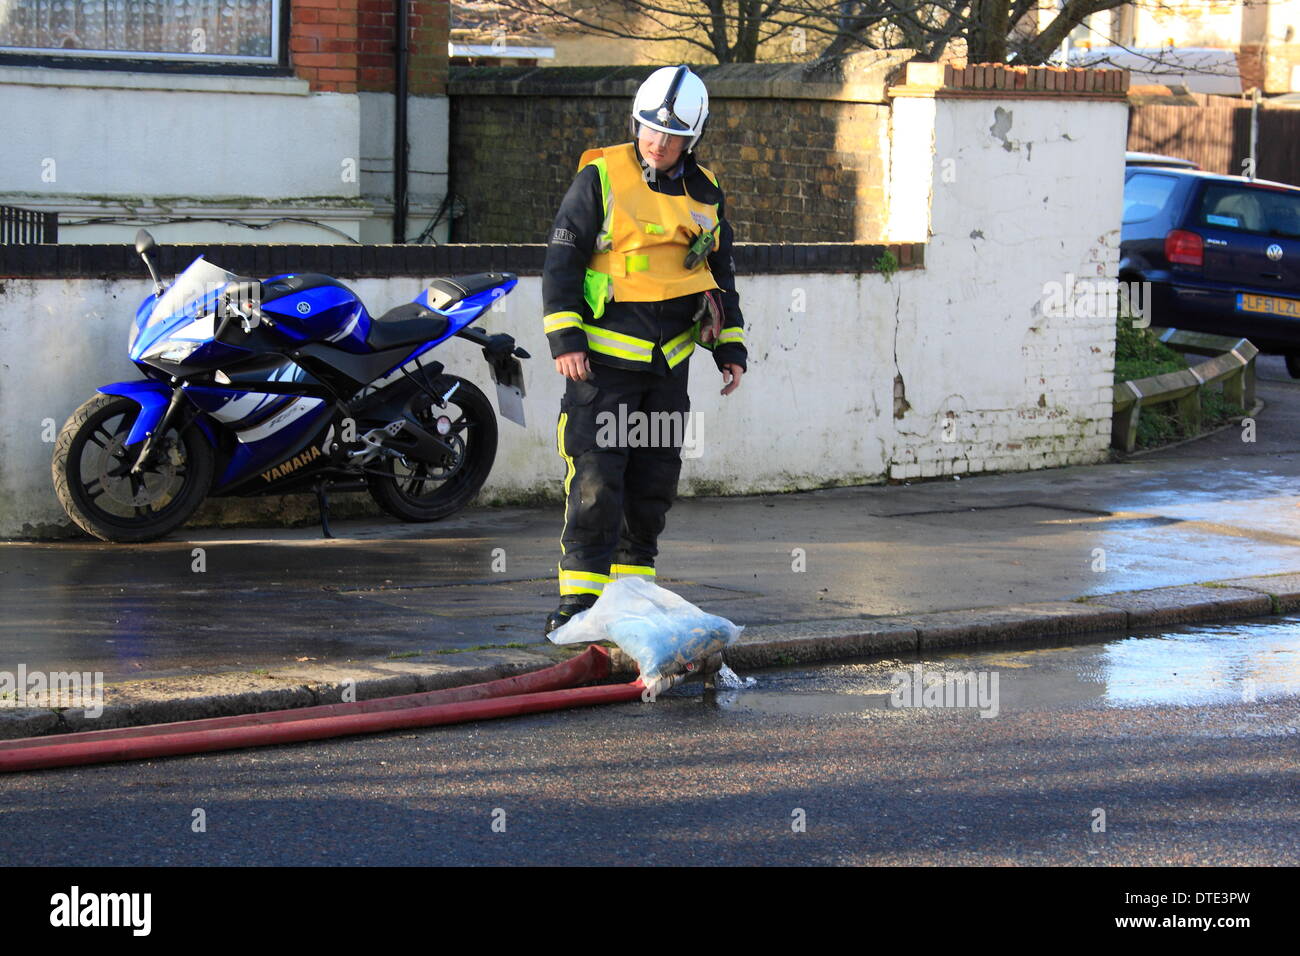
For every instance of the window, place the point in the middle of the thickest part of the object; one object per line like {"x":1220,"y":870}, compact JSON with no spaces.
{"x":231,"y":31}
{"x":1268,"y":212}
{"x":1145,"y":194}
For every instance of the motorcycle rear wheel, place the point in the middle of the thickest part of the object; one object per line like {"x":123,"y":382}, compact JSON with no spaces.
{"x":415,"y":491}
{"x":91,"y":470}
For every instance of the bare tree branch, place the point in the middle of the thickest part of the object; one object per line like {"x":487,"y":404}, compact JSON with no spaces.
{"x":739,"y":31}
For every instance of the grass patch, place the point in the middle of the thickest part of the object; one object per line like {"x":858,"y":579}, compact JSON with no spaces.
{"x":887,"y":264}
{"x":1140,"y":354}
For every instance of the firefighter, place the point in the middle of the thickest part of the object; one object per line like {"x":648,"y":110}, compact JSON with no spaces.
{"x":638,"y":273}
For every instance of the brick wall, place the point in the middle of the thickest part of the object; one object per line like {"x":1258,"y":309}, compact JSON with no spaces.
{"x":1251,"y":60}
{"x":1058,"y":82}
{"x":346,"y":46}
{"x":797,"y":168}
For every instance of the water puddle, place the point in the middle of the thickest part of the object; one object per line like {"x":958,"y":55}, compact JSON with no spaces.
{"x":1189,"y":666}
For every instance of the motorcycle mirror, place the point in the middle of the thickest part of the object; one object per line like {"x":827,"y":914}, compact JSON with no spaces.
{"x":147,"y":248}
{"x":144,"y":243}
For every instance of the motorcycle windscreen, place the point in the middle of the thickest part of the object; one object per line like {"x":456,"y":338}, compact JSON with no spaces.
{"x":195,"y":292}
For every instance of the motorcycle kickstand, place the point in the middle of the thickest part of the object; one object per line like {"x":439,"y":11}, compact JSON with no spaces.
{"x":323,"y":502}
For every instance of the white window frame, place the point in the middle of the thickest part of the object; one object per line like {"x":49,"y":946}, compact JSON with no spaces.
{"x":272,"y":59}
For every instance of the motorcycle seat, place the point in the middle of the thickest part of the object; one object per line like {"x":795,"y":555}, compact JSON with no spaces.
{"x":407,"y":324}
{"x":444,"y":293}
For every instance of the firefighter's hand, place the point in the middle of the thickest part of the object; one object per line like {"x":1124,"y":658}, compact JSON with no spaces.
{"x":731,"y":378}
{"x":573,"y":365}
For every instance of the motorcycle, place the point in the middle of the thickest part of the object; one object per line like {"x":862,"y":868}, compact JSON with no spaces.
{"x":283,"y":385}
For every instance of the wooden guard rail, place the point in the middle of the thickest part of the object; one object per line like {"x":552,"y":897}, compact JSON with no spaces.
{"x":1233,"y":365}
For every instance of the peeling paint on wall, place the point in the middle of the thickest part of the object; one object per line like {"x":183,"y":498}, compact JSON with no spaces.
{"x":1001,"y":126}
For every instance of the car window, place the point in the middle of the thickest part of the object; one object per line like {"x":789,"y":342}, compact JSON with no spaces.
{"x":1268,"y":212}
{"x":1145,"y":194}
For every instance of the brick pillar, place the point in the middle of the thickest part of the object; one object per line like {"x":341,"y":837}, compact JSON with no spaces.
{"x":323,"y":44}
{"x":430,"y":29}
{"x":346,"y":46}
{"x":1250,"y":64}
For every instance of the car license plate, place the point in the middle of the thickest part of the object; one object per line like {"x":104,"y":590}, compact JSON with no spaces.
{"x":1268,"y":304}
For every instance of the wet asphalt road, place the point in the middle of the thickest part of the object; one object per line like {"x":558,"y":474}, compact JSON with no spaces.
{"x":1187,"y":742}
{"x":1210,"y":509}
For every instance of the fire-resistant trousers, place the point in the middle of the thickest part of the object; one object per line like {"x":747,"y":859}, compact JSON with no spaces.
{"x":620,"y":434}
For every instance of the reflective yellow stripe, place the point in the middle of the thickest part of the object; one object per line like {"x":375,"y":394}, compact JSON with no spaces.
{"x":597,"y":346}
{"x":631,"y":569}
{"x":678,"y":348}
{"x":559,"y":442}
{"x":629,"y":340}
{"x":619,"y":345}
{"x":582,"y":582}
{"x":654,"y":229}
{"x":605,"y":240}
{"x":568,"y":474}
{"x":733,"y":334}
{"x":561,"y":320}
{"x":717,"y":215}
{"x":637,"y":263}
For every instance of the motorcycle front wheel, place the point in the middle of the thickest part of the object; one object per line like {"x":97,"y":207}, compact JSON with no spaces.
{"x":416,"y":491}
{"x":94,"y":484}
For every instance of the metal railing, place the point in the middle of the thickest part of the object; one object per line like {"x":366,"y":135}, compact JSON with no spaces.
{"x":22,"y":227}
{"x":1233,"y":365}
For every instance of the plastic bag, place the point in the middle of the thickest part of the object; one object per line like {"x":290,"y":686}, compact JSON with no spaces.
{"x":664,"y":633}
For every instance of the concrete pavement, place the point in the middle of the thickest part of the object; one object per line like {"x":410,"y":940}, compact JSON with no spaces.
{"x":221,"y":621}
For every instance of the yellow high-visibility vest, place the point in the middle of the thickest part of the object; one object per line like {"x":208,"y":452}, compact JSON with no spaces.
{"x":642,"y":244}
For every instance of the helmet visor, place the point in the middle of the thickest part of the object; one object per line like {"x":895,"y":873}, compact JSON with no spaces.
{"x":664,"y":120}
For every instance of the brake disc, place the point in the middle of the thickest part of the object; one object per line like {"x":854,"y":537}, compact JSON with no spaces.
{"x":154,"y":484}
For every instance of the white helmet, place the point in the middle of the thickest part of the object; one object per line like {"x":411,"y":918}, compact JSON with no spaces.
{"x":672,"y":100}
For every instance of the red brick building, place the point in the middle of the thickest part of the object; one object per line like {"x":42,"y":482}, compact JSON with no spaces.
{"x":347,"y":46}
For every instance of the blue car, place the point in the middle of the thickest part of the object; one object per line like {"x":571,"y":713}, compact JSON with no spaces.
{"x":1222,"y":254}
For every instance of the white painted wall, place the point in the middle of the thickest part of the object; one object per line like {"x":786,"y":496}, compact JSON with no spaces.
{"x":428,"y":122}
{"x":1034,"y":193}
{"x":264,"y":150}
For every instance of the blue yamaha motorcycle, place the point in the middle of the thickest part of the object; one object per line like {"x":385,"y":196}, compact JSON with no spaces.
{"x":267,"y":387}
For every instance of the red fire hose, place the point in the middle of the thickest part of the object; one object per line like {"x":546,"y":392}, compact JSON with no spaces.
{"x":549,"y":689}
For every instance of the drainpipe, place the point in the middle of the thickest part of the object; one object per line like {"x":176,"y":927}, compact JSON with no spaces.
{"x":1254,"y":131}
{"x":400,"y":50}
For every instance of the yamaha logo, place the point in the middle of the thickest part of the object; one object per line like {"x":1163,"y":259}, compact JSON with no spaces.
{"x":304,"y":307}
{"x":1274,"y":252}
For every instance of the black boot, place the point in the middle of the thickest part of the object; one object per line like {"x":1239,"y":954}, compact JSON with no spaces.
{"x":568,"y":607}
